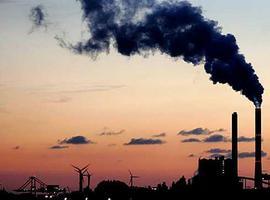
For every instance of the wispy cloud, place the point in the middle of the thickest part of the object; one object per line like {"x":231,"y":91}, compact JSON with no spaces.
{"x":143,"y":141}
{"x":241,"y":155}
{"x":191,"y":140}
{"x":107,"y":132}
{"x":218,"y":151}
{"x":200,"y":131}
{"x":218,"y":138}
{"x":250,"y":154}
{"x":94,"y":88}
{"x":58,"y":147}
{"x":73,"y":88}
{"x":60,"y":100}
{"x":246,"y":139}
{"x":159,"y":135}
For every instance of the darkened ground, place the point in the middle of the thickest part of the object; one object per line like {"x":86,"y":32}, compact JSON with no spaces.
{"x":116,"y":190}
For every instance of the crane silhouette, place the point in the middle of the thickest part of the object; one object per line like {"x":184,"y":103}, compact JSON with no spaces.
{"x":132,"y":177}
{"x":31,"y":185}
{"x":81,"y":172}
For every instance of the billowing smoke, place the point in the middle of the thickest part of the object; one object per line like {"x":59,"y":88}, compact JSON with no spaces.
{"x":38,"y":17}
{"x":175,"y":28}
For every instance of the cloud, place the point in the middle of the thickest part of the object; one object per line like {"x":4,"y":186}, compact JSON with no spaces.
{"x":241,"y":155}
{"x":16,"y":148}
{"x":159,"y":135}
{"x":58,"y":147}
{"x":250,"y":154}
{"x":221,"y":138}
{"x":60,"y":100}
{"x":218,"y":151}
{"x":76,"y":140}
{"x":200,"y":131}
{"x":143,"y":141}
{"x":191,"y":140}
{"x":216,"y":138}
{"x":220,"y":130}
{"x":111,"y":133}
{"x":73,"y":88}
{"x":196,"y":131}
{"x":94,"y":88}
{"x":246,"y":139}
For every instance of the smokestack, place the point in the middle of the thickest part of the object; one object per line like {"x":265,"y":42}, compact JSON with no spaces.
{"x":235,"y":145}
{"x":258,"y":150}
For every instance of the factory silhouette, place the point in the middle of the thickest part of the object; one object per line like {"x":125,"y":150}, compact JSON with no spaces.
{"x":214,"y":177}
{"x":177,"y":29}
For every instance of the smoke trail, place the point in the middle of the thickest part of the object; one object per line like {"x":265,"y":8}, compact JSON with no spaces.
{"x":38,"y":17}
{"x":177,"y":29}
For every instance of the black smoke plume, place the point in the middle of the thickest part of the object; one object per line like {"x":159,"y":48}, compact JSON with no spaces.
{"x":175,"y":28}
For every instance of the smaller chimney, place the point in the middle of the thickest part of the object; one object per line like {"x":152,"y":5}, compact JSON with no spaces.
{"x":235,"y":145}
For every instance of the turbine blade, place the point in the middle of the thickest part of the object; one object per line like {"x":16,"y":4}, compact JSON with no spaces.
{"x":76,"y":167}
{"x":85,"y":167}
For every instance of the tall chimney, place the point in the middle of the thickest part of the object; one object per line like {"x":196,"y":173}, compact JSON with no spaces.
{"x":234,"y":145}
{"x":258,"y":150}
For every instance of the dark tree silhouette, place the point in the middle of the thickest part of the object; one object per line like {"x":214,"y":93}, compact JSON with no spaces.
{"x":112,"y":190}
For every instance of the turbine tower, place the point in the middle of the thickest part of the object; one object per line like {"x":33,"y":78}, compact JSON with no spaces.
{"x":132,"y":177}
{"x":88,"y":175}
{"x":81,"y":172}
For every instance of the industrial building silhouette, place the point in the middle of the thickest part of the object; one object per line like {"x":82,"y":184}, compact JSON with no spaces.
{"x":213,"y":176}
{"x":222,"y":172}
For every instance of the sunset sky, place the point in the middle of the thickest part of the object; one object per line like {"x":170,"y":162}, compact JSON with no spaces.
{"x":49,"y":96}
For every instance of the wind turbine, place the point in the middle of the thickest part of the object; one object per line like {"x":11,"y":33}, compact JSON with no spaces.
{"x":81,"y":172}
{"x":132,"y":177}
{"x":88,"y":175}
